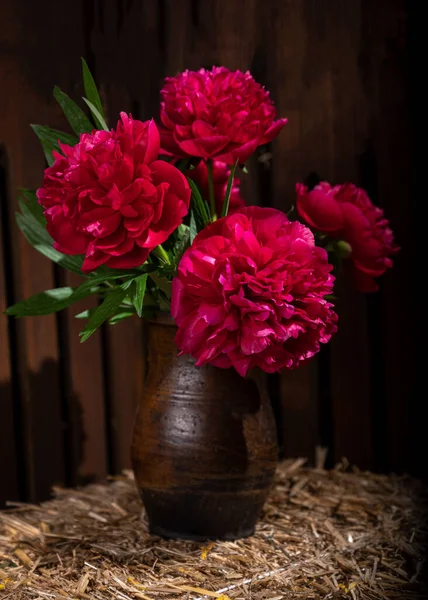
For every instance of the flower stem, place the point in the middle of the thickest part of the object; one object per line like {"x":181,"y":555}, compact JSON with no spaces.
{"x":211,"y":189}
{"x":162,"y":254}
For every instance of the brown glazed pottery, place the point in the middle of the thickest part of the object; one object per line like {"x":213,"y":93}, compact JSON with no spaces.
{"x":204,"y":449}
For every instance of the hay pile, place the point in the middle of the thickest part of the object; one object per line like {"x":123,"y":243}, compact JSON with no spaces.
{"x":324,"y":534}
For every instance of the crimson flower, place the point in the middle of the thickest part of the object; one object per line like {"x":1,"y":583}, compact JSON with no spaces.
{"x":108,"y":197}
{"x":250,"y":292}
{"x":346,"y":212}
{"x":216,"y":113}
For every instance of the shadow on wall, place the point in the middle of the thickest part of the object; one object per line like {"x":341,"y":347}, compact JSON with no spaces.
{"x":41,"y":436}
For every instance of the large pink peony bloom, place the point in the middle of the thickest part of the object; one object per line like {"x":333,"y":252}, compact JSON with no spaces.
{"x":221,"y":173}
{"x":250,"y":292}
{"x":345,"y":212}
{"x":216,"y":114}
{"x":110,"y":198}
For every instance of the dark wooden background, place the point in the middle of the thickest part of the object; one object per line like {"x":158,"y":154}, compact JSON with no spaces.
{"x":339,"y":70}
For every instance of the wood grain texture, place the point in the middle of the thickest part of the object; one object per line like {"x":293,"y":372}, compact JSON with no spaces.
{"x":340,"y":72}
{"x":36,"y":343}
{"x":82,"y":365}
{"x":9,"y":485}
{"x":349,"y":349}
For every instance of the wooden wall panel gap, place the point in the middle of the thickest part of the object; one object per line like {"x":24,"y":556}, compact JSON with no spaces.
{"x":12,"y":455}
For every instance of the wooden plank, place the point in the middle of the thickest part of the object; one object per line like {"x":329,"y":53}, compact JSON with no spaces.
{"x":37,"y":351}
{"x":300,"y":78}
{"x":82,"y":368}
{"x":399,"y":421}
{"x":350,"y":361}
{"x":9,"y":488}
{"x":85,"y":396}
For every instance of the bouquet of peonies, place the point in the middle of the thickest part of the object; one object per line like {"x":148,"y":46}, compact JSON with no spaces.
{"x":152,"y":217}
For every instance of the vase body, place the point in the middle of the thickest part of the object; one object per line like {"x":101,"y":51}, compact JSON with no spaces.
{"x":204,"y":448}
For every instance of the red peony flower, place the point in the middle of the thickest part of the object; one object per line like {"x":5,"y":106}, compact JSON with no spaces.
{"x":216,"y":114}
{"x":221,"y":174}
{"x":110,"y":198}
{"x":250,"y":292}
{"x":346,"y":212}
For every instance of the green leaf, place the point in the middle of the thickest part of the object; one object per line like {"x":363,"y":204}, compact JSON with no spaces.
{"x":106,"y":309}
{"x":47,"y":151}
{"x":49,"y":301}
{"x":162,"y":283}
{"x":162,"y":254}
{"x":85,"y":314}
{"x":225,"y":208}
{"x":113,"y":274}
{"x":91,"y":90}
{"x":202,"y":215}
{"x":55,"y":300}
{"x":193,"y":228}
{"x":180,"y":241}
{"x":75,"y":116}
{"x":28,"y":202}
{"x":121,"y":315}
{"x":211,"y":192}
{"x":50,"y":138}
{"x":98,"y":118}
{"x":140,"y":284}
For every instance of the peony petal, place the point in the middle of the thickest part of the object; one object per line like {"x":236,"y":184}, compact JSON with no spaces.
{"x":94,"y":261}
{"x":273,"y":130}
{"x":363,"y":282}
{"x":152,"y":143}
{"x":239,"y":152}
{"x":165,"y":172}
{"x":67,"y":238}
{"x":319,"y":209}
{"x":169,"y":146}
{"x":206,"y":147}
{"x":135,"y":258}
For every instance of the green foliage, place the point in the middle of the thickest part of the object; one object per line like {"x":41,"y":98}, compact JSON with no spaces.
{"x":98,"y":117}
{"x":199,"y":206}
{"x":54,"y":300}
{"x":193,"y":230}
{"x":225,"y":209}
{"x":49,"y":301}
{"x":179,"y":242}
{"x":139,"y":287}
{"x":79,"y":122}
{"x":123,"y":314}
{"x":50,"y":138}
{"x":106,"y":309}
{"x":91,"y":90}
